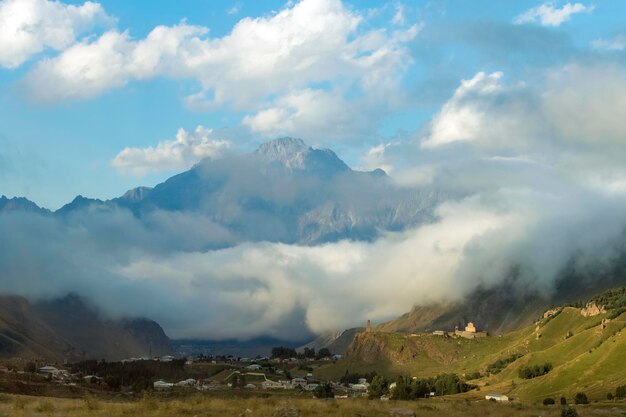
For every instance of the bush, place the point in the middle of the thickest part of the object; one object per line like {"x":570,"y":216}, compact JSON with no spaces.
{"x":581,"y":398}
{"x":500,"y":364}
{"x":609,"y":396}
{"x":569,"y":412}
{"x":378,"y":387}
{"x":563,"y":401}
{"x":529,"y":372}
{"x":324,"y":391}
{"x":548,"y":401}
{"x":620,"y":392}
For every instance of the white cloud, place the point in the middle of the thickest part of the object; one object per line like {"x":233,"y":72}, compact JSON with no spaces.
{"x":375,"y":158}
{"x":90,"y":68}
{"x":463,"y":118}
{"x":398,"y":17}
{"x":618,"y":43}
{"x":549,"y":15}
{"x":234,"y":9}
{"x":181,"y":153}
{"x":27,"y":27}
{"x":314,"y":114}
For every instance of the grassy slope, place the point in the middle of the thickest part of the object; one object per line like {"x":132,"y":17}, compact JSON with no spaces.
{"x":591,"y":360}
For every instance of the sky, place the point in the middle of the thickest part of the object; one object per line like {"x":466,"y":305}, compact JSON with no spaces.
{"x":82,"y":82}
{"x":513,"y":112}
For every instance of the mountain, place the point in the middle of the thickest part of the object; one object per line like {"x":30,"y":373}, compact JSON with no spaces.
{"x":69,"y":329}
{"x":285,"y":191}
{"x":20,"y":204}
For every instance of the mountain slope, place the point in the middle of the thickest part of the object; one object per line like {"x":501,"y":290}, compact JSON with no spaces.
{"x":586,"y":352}
{"x":68,"y":329}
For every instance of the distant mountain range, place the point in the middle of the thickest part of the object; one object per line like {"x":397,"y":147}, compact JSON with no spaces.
{"x":285,"y":191}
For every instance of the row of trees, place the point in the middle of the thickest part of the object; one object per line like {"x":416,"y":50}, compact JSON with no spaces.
{"x":137,"y":374}
{"x":579,"y":398}
{"x":500,"y":364}
{"x":281,"y":352}
{"x":413,"y":388}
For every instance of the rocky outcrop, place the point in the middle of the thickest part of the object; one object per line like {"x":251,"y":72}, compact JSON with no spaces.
{"x":592,"y":309}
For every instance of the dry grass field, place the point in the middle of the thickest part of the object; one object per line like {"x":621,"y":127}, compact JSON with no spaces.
{"x":203,"y":406}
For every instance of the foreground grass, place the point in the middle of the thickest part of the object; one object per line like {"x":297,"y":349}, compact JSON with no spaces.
{"x":203,"y":406}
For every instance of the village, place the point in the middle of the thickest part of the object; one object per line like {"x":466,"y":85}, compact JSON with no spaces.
{"x":284,"y":370}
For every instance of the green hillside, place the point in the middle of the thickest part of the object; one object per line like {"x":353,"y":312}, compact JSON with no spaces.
{"x":584,"y":356}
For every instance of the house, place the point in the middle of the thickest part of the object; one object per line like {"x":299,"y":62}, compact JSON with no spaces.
{"x":358,"y":387}
{"x":311,"y":387}
{"x":269,"y":384}
{"x":439,"y":333}
{"x":254,"y":367}
{"x":299,"y":382}
{"x":496,"y":397}
{"x":160,"y":385}
{"x":48,"y":370}
{"x":186,"y":383}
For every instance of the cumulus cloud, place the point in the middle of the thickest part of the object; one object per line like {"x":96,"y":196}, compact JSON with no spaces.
{"x":27,"y":27}
{"x":309,"y":42}
{"x":549,"y":15}
{"x":312,"y":69}
{"x":90,"y":68}
{"x":188,"y":148}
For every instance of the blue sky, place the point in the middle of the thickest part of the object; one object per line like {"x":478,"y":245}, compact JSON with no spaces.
{"x":54,"y":145}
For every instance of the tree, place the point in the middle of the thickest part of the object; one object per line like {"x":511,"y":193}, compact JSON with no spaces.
{"x":309,"y":352}
{"x":569,"y":412}
{"x":30,"y":367}
{"x":620,"y":392}
{"x":324,"y":353}
{"x":563,"y":401}
{"x":324,"y":391}
{"x":581,"y":398}
{"x":283,"y":352}
{"x":378,"y":387}
{"x":609,"y":396}
{"x":548,"y":401}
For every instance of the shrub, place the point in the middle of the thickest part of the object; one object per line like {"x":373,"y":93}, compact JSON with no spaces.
{"x":581,"y":398}
{"x":548,"y":401}
{"x":500,"y":364}
{"x":609,"y":396}
{"x":569,"y":412}
{"x":529,"y":372}
{"x":563,"y":401}
{"x":324,"y":391}
{"x":620,"y":392}
{"x":378,"y":387}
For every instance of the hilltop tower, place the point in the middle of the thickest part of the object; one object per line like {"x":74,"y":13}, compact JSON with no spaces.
{"x":368,"y":328}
